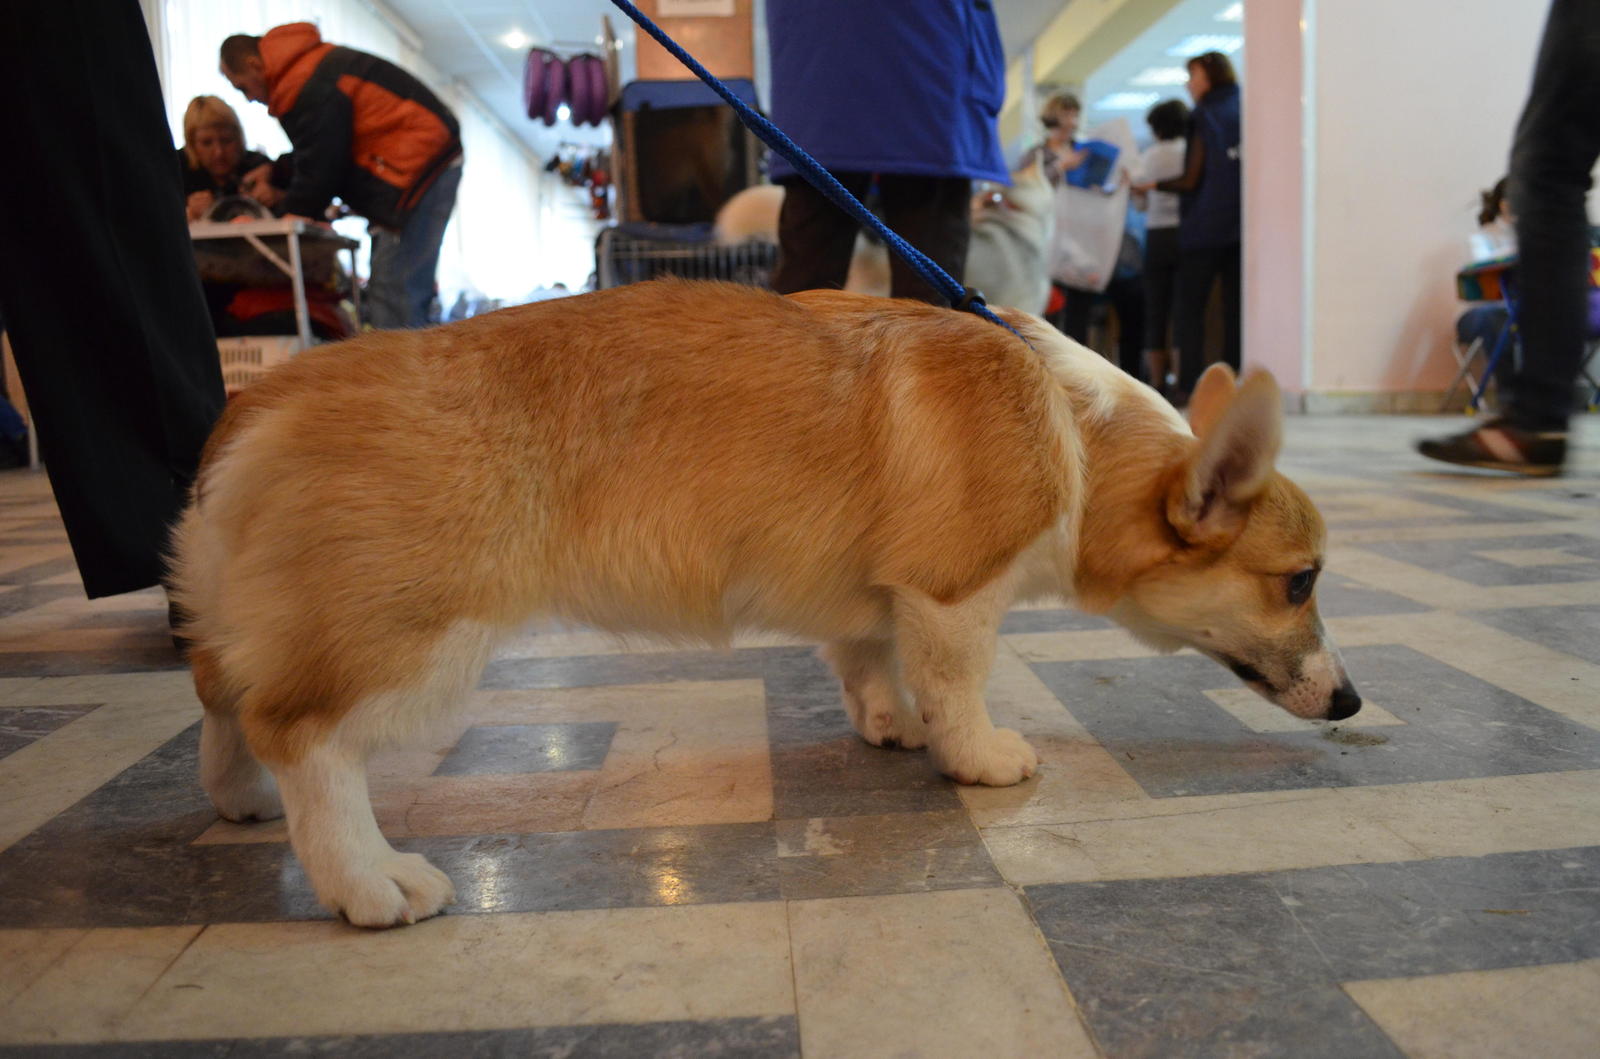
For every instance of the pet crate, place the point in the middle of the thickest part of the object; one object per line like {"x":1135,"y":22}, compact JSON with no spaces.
{"x":248,"y":358}
{"x":680,"y":151}
{"x":632,"y":253}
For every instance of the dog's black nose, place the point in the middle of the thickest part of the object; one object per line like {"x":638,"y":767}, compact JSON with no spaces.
{"x":1346,"y":702}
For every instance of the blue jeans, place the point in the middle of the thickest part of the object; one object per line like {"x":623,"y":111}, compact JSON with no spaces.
{"x":1557,"y":142}
{"x":404,"y":263}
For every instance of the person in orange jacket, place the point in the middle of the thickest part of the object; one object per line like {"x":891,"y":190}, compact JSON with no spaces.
{"x":371,"y":134}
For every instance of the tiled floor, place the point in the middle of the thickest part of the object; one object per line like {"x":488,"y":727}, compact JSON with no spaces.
{"x":663,"y":852}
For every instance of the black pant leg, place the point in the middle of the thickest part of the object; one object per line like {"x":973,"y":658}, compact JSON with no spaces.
{"x":1197,"y":274}
{"x":933,"y":214}
{"x":815,"y":237}
{"x":1556,"y":144}
{"x":1073,"y":319}
{"x":1127,"y":299}
{"x":98,"y":283}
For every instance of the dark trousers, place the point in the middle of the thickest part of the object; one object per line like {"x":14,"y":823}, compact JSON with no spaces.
{"x":97,"y":282}
{"x":1199,"y":270}
{"x":1160,"y":285}
{"x":815,"y":237}
{"x":1126,"y":295}
{"x":1556,"y":145}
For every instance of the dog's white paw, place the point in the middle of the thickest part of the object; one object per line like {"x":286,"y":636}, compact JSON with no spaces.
{"x":399,"y":888}
{"x":242,"y":802}
{"x":997,"y":757}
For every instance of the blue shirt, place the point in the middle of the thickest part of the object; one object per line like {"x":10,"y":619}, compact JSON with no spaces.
{"x":889,"y":86}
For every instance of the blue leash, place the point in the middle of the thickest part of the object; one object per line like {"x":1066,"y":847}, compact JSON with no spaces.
{"x":958,"y":296}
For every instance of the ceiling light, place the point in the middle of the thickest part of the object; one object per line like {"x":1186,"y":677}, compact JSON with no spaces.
{"x":1231,"y":13}
{"x":1200,"y":43}
{"x":516,"y":40}
{"x":1127,"y":101}
{"x":1161,"y":75}
{"x":563,"y":112}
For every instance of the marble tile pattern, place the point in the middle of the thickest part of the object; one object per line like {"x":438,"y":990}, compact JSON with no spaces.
{"x":671,"y":852}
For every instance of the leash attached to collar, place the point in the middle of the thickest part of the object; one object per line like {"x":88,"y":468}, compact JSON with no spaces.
{"x":959,"y":297}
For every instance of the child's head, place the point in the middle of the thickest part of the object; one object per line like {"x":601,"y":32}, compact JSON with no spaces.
{"x":1493,"y":204}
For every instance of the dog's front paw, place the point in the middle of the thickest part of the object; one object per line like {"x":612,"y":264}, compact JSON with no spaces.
{"x":400,"y":888}
{"x":996,"y":757}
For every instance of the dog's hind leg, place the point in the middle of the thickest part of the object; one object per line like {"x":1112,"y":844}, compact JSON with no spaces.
{"x":873,"y":697}
{"x":238,"y":785}
{"x":945,"y":653}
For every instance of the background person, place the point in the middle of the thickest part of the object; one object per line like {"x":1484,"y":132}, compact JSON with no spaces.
{"x":1557,"y":142}
{"x":370,"y":133}
{"x":1210,"y":208}
{"x":102,"y":300}
{"x":904,"y":93}
{"x":1162,"y":160}
{"x":213,"y":159}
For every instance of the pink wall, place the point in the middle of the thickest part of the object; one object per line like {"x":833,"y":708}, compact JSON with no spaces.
{"x":1274,"y":238}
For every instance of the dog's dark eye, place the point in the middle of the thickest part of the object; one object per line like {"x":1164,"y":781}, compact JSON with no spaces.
{"x":1300,"y":586}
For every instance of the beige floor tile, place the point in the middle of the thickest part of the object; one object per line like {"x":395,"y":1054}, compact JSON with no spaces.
{"x":1274,"y":831}
{"x":1549,"y":1012}
{"x":1523,"y":557}
{"x":1503,"y":814}
{"x":26,"y":954}
{"x":50,"y":774}
{"x":955,"y":973}
{"x":474,"y":972}
{"x":1267,"y":833}
{"x":88,"y":990}
{"x":1077,"y":646}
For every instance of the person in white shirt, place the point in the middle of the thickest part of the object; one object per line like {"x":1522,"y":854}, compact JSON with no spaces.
{"x":1162,"y":160}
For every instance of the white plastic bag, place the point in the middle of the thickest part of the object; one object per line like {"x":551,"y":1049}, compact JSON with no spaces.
{"x":1089,"y":221}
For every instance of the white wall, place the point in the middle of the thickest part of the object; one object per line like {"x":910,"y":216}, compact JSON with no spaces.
{"x":1414,"y":107}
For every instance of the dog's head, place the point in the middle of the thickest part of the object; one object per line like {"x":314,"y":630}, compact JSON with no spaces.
{"x":1240,"y":582}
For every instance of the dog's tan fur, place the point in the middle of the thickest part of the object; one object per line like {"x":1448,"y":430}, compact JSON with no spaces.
{"x":690,"y":460}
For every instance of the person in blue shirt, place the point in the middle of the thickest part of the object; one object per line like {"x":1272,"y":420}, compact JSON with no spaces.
{"x":904,"y":95}
{"x":1209,"y":212}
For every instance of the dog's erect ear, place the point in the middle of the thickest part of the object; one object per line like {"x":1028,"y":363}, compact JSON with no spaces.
{"x":1233,"y":462}
{"x":1211,"y":395}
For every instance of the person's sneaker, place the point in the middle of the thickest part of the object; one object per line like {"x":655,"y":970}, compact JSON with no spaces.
{"x":1500,"y":446}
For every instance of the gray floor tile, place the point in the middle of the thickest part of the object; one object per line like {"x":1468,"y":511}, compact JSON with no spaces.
{"x":1152,"y":715}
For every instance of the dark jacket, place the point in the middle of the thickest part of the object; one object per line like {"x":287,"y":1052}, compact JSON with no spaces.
{"x":890,"y":86}
{"x":198,"y":178}
{"x":363,"y":129}
{"x":1210,"y":213}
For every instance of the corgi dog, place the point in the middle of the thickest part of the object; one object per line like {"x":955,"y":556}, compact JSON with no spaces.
{"x":694,"y":459}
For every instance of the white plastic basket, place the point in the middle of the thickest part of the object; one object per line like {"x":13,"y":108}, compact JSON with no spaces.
{"x":246,"y":359}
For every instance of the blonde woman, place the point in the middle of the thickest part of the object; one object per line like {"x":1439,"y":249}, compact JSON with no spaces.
{"x":213,"y":157}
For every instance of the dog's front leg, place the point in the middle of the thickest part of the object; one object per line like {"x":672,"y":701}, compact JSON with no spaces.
{"x":352,"y":867}
{"x":945,"y":654}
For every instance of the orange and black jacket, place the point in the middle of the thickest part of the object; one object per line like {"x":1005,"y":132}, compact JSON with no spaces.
{"x":363,"y":129}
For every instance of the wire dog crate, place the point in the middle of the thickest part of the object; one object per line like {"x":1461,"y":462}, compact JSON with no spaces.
{"x":633,"y":253}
